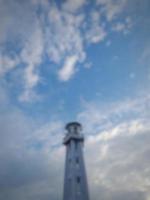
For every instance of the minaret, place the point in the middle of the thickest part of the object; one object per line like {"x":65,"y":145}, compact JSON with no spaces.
{"x":75,"y":181}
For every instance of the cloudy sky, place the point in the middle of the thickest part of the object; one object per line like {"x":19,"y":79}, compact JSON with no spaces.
{"x":84,"y":60}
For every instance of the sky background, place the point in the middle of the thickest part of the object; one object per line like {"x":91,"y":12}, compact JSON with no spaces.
{"x":78,"y":60}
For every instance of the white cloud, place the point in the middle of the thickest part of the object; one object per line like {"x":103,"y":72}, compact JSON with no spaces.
{"x":118,"y":163}
{"x":31,"y":55}
{"x":119,"y":27}
{"x":124,"y":27}
{"x":144,"y":59}
{"x":96,"y":33}
{"x":7,"y":64}
{"x":118,"y":166}
{"x":73,"y":6}
{"x":122,"y":129}
{"x":57,"y":33}
{"x":112,"y":8}
{"x":67,"y":38}
{"x":66,"y":45}
{"x":29,"y":95}
{"x":117,"y":148}
{"x":106,"y":116}
{"x":68,"y":70}
{"x":145,"y":55}
{"x":24,"y":33}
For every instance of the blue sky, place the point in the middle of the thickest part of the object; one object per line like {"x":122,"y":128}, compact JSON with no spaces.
{"x":74,"y":60}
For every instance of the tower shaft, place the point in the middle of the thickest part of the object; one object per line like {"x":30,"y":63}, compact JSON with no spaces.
{"x":75,"y":180}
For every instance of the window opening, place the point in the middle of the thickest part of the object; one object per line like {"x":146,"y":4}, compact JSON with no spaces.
{"x":78,"y":179}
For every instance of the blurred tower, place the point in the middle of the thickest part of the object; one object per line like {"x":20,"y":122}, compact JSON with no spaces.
{"x":75,"y":181}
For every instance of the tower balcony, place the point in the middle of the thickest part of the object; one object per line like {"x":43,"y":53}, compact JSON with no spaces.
{"x":73,"y":132}
{"x":72,"y":136}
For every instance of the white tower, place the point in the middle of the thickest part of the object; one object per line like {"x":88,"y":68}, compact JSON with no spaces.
{"x":75,"y":181}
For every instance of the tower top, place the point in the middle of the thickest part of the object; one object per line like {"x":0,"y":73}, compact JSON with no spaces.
{"x":73,"y":127}
{"x":73,"y":132}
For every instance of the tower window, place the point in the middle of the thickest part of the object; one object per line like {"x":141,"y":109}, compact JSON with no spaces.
{"x":76,"y":145}
{"x":78,"y":179}
{"x":77,"y":160}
